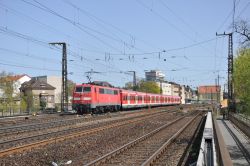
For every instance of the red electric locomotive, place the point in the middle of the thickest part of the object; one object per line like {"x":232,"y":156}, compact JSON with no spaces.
{"x":88,"y":98}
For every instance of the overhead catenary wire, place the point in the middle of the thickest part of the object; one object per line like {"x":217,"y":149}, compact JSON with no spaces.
{"x":165,"y":20}
{"x":48,"y":27}
{"x":153,"y":55}
{"x":102,"y":22}
{"x":79,"y":26}
{"x":38,"y":41}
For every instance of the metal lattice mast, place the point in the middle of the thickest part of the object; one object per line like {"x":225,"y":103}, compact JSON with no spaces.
{"x":231,"y":103}
{"x":230,"y":73}
{"x":64,"y":89}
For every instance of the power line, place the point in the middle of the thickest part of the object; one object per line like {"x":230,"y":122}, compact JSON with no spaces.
{"x":165,"y":20}
{"x":228,"y":16}
{"x":99,"y":20}
{"x":40,"y":42}
{"x":243,"y":10}
{"x":50,"y":60}
{"x":28,"y":67}
{"x":79,"y":26}
{"x":50,"y":28}
{"x":176,"y":15}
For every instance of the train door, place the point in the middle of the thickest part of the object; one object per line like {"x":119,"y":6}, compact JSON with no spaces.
{"x":96,"y":93}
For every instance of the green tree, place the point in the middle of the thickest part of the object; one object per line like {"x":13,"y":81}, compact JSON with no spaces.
{"x":148,"y":87}
{"x":71,"y":86}
{"x":130,"y":86}
{"x":7,"y":88}
{"x":24,"y":102}
{"x":43,"y":104}
{"x":242,"y":79}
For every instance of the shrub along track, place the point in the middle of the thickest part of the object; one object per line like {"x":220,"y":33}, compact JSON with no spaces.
{"x":92,"y":143}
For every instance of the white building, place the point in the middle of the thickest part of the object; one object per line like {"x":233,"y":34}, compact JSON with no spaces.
{"x":187,"y":95}
{"x":176,"y":89}
{"x":18,"y":80}
{"x":166,"y":88}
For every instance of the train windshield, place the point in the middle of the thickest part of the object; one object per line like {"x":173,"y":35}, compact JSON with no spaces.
{"x":83,"y":89}
{"x":86,"y":89}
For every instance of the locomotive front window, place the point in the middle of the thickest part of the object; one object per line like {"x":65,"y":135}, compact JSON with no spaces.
{"x":87,"y":89}
{"x":101,"y":91}
{"x":78,"y":89}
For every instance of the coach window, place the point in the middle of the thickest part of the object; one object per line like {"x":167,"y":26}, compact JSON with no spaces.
{"x":115,"y":92}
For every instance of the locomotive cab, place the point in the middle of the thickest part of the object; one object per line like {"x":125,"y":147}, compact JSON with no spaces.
{"x":82,"y":97}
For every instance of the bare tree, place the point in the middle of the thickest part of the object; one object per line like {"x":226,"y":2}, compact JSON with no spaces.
{"x":242,"y":27}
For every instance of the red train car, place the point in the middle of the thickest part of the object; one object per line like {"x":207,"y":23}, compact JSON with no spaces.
{"x":88,"y":98}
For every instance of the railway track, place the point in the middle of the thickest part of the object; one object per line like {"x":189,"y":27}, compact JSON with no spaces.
{"x":242,"y":148}
{"x":12,"y":121}
{"x":22,"y":144}
{"x":146,"y":149}
{"x":20,"y":129}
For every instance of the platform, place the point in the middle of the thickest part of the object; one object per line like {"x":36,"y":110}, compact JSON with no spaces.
{"x":237,"y":144}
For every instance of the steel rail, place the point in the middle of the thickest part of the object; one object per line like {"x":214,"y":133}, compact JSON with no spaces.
{"x":242,"y":148}
{"x":9,"y":129}
{"x":77,"y":134}
{"x":131,"y":144}
{"x":75,"y":128}
{"x":162,"y":149}
{"x":36,"y":126}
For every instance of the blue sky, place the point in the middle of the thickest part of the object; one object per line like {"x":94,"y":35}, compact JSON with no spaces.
{"x":115,"y":36}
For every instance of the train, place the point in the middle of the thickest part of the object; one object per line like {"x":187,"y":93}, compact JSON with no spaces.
{"x":92,"y":98}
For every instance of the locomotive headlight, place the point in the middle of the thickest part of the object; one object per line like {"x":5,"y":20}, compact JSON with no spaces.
{"x":87,"y":98}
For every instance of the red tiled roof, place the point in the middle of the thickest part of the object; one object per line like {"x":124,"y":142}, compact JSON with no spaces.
{"x":208,"y":89}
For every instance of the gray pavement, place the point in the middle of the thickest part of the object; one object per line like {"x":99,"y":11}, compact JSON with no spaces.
{"x":236,"y":155}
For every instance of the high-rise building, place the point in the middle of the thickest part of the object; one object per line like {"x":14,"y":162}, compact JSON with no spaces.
{"x":154,"y":75}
